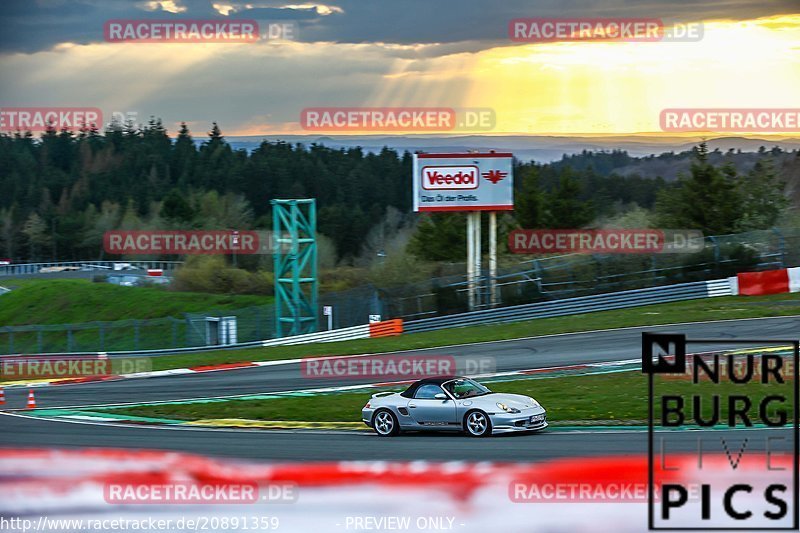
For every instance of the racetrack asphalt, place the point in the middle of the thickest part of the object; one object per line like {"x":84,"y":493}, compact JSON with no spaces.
{"x":310,"y":445}
{"x":276,"y":445}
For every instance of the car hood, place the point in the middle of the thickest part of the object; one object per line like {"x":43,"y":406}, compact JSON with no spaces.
{"x":518,"y":401}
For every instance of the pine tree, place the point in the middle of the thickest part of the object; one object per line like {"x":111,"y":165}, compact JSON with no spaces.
{"x":530,"y":204}
{"x":709,"y":199}
{"x":38,"y":235}
{"x":440,"y":237}
{"x":176,"y":209}
{"x":565,"y":208}
{"x":762,"y":197}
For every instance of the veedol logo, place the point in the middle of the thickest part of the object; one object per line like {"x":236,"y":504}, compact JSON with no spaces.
{"x":493,"y":176}
{"x":450,"y":177}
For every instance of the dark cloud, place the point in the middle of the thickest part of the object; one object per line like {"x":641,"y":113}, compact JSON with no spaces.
{"x":32,"y":25}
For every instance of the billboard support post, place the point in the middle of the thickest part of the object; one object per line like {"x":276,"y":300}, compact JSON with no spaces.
{"x":493,"y":258}
{"x":474,"y":258}
{"x":478,"y":255}
{"x":470,"y":261}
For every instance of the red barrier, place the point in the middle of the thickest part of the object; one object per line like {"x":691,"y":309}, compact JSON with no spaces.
{"x":387,"y":328}
{"x":767,"y":282}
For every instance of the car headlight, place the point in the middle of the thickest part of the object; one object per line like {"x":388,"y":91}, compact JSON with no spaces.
{"x":506,"y":408}
{"x":534,"y":403}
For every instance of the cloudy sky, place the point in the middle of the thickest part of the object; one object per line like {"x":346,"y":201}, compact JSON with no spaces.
{"x":384,"y":53}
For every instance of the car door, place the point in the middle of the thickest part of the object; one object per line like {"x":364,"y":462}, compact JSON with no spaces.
{"x":427,"y":410}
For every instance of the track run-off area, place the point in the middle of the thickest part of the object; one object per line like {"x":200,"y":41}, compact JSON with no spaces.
{"x":20,"y":430}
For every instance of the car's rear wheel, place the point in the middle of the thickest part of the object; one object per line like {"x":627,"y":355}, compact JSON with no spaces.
{"x":477,"y":424}
{"x":385,"y":423}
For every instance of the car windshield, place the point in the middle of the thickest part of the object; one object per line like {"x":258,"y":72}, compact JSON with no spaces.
{"x":465,"y":388}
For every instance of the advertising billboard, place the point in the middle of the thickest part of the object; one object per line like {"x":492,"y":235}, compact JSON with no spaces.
{"x":463,"y":182}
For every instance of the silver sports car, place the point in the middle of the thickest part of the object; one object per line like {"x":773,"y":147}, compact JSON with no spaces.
{"x":452,"y":403}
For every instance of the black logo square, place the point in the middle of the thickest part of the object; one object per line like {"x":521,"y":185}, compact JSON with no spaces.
{"x":670,"y":349}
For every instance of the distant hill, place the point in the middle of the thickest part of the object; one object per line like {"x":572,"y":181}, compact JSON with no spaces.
{"x":668,"y":165}
{"x":542,"y":149}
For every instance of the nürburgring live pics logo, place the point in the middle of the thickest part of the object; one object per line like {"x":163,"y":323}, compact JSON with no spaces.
{"x":730,"y":477}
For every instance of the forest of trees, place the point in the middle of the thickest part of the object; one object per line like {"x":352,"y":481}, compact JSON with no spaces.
{"x":61,"y":192}
{"x":573,"y":193}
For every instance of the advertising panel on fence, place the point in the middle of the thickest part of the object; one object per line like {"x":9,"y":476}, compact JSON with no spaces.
{"x":463,"y":182}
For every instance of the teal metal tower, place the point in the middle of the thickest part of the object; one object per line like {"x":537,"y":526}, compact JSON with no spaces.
{"x":294,"y":226}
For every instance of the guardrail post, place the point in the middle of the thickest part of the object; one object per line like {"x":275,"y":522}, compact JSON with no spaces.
{"x":135,"y":334}
{"x":598,"y":271}
{"x":781,"y":245}
{"x":715,"y":244}
{"x":10,"y":341}
{"x":69,"y":339}
{"x":174,"y":333}
{"x":654,"y":267}
{"x":102,"y":331}
{"x":39,"y":343}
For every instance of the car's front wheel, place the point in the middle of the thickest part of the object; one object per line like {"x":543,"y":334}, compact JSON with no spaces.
{"x":385,"y":423}
{"x":477,"y":424}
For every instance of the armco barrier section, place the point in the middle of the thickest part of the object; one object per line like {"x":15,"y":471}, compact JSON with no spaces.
{"x":571,"y":306}
{"x":575,"y":306}
{"x":385,"y":328}
{"x":794,"y":279}
{"x":344,"y":334}
{"x":99,"y":267}
{"x":768,"y":282}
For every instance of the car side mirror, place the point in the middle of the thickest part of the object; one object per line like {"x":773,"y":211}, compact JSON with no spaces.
{"x":441,"y":396}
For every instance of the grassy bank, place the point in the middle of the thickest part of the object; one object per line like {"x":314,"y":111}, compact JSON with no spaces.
{"x":729,"y":307}
{"x":64,"y":301}
{"x":593,"y":399}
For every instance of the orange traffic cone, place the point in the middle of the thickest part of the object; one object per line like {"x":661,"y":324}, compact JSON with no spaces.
{"x":31,"y":400}
{"x":2,"y":397}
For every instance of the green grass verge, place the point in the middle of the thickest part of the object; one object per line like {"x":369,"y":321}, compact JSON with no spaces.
{"x":64,"y":301}
{"x":727,"y":307}
{"x":617,"y":398}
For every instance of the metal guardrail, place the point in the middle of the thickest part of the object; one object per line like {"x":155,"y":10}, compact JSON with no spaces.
{"x":17,"y":269}
{"x":575,"y":306}
{"x":343,"y":334}
{"x":571,"y":306}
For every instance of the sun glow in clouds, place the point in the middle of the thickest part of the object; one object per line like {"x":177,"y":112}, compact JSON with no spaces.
{"x":164,"y":5}
{"x":534,"y":88}
{"x":622,"y":87}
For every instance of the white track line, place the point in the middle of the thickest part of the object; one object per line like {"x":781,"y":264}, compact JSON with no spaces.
{"x":178,"y":427}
